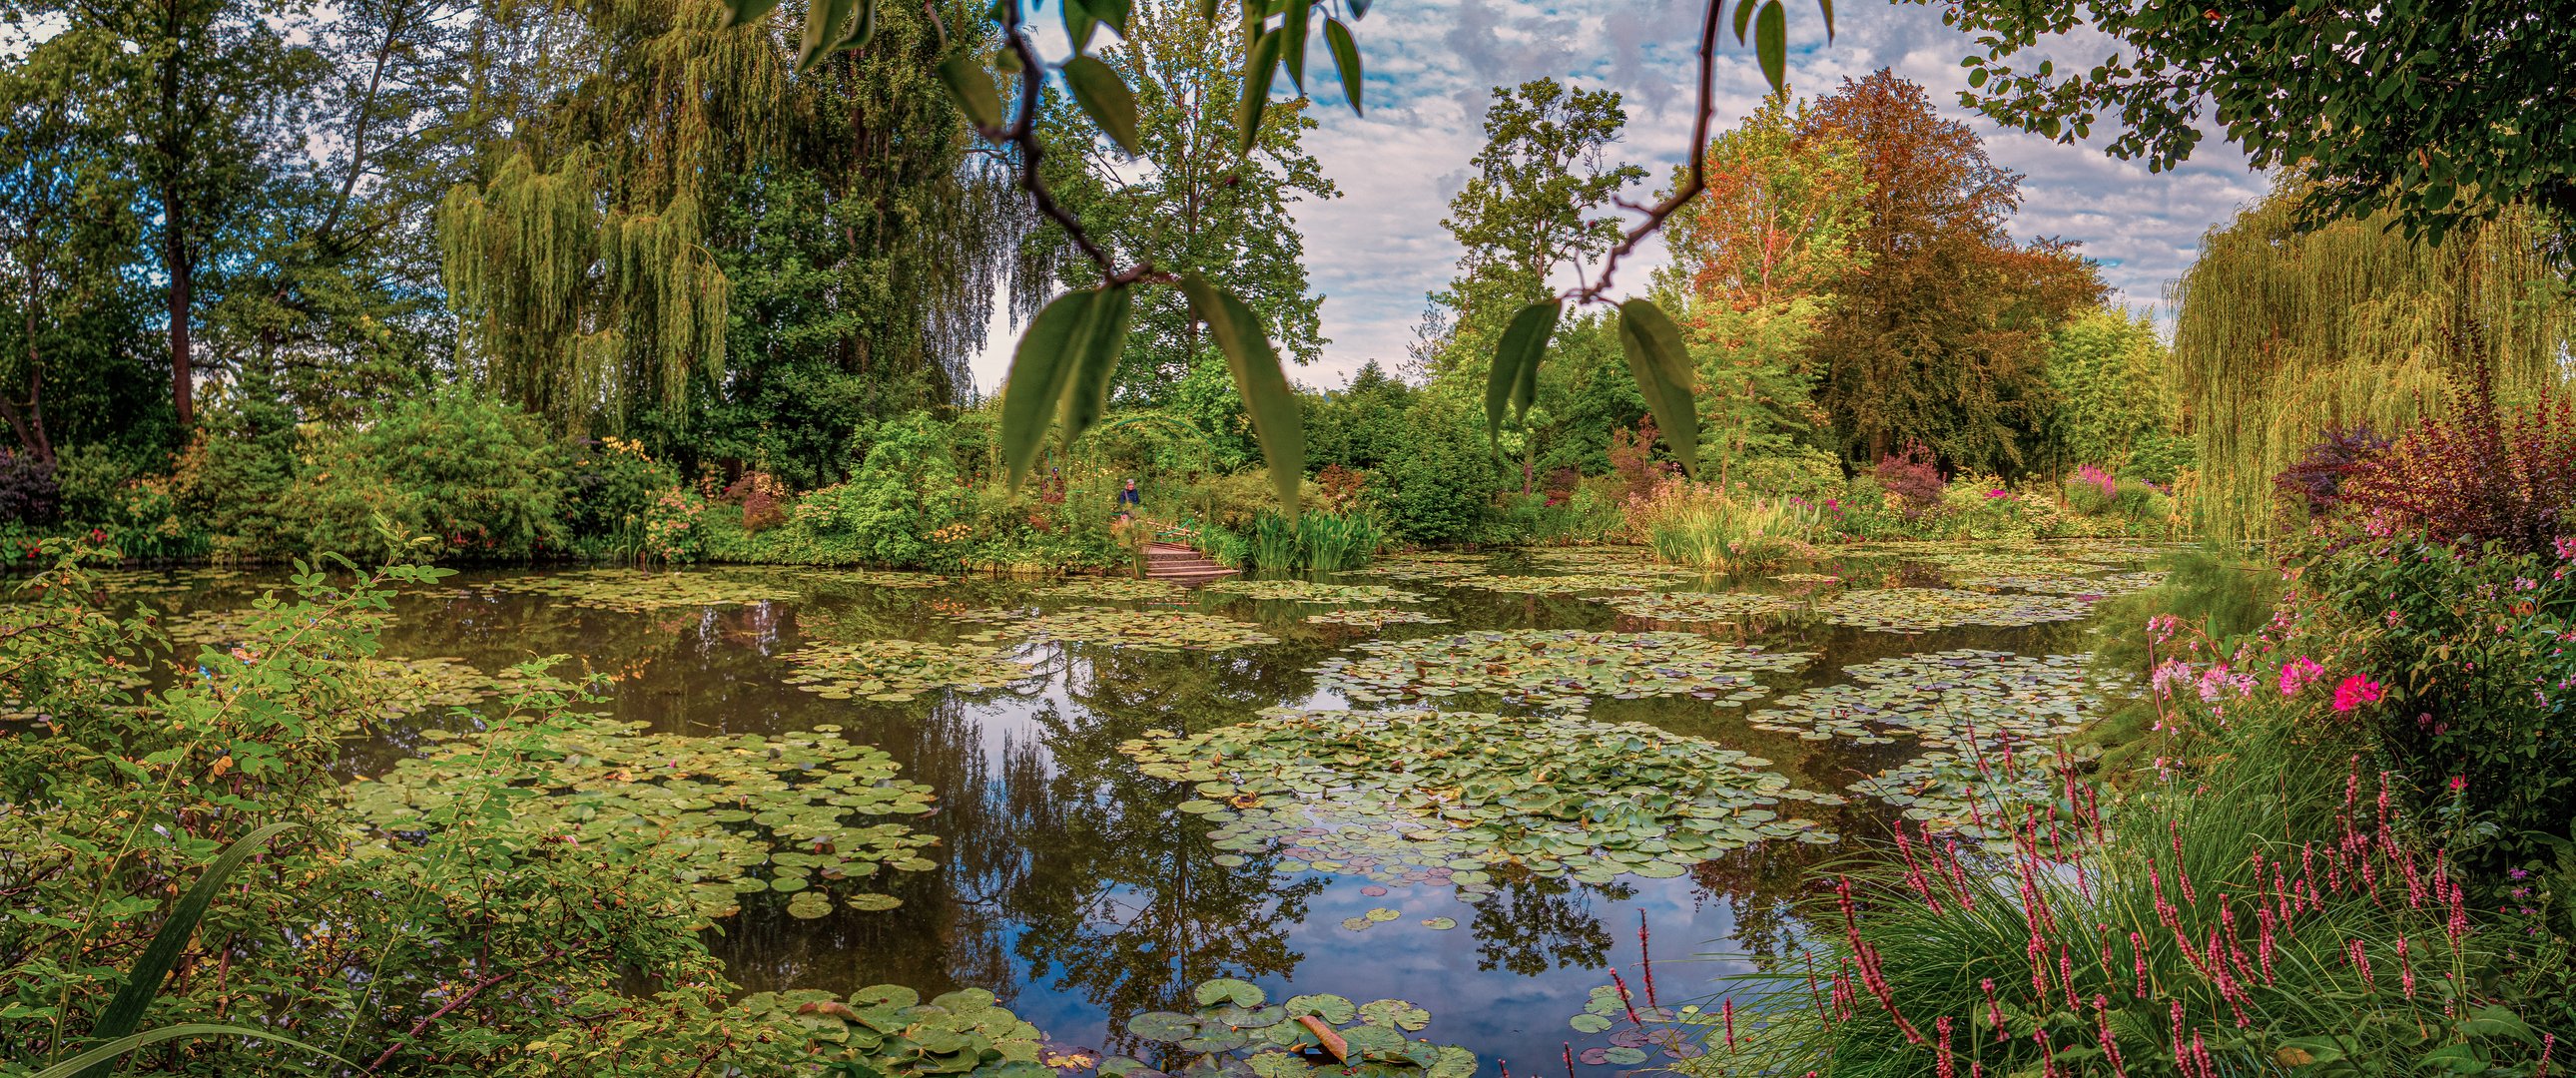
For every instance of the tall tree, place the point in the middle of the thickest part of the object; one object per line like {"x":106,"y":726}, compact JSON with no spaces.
{"x":1189,"y":200}
{"x":2282,"y":336}
{"x":2447,"y":114}
{"x":1780,"y":216}
{"x":1941,"y":334}
{"x":1533,"y":203}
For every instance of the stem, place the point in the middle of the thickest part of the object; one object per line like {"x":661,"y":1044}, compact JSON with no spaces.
{"x":1698,"y":181}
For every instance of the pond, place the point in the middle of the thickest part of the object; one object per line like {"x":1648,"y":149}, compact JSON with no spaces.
{"x":1137,"y":789}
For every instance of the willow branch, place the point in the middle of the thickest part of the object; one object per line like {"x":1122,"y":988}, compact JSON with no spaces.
{"x":1662,"y":211}
{"x":1023,"y":134}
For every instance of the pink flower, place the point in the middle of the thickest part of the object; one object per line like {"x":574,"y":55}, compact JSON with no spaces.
{"x":2297,"y":673}
{"x":1998,"y":494}
{"x":2356,"y":691}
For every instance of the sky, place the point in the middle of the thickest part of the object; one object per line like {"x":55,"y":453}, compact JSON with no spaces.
{"x":1377,"y":251}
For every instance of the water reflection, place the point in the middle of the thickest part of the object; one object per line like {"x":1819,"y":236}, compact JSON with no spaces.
{"x":1077,"y":889}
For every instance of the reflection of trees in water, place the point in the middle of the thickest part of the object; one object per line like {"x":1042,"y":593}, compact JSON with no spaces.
{"x":1123,"y":902}
{"x":1532,"y":924}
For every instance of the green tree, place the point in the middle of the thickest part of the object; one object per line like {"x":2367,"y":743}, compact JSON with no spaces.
{"x":1940,"y":334}
{"x":2114,"y":387}
{"x":2445,"y":113}
{"x":1190,"y":200}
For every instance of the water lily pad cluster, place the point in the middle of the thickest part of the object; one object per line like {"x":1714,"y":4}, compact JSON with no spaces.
{"x":229,"y":626}
{"x":896,"y":670}
{"x":1374,"y":617}
{"x":1942,"y":695}
{"x":887,"y":1030}
{"x":1698,"y":605}
{"x":1638,"y":1029}
{"x":1559,"y":668}
{"x":1967,"y":565}
{"x":1307,"y":591}
{"x":1152,"y":630}
{"x":639,"y":591}
{"x":1916,"y":610}
{"x":798,"y":814}
{"x":1426,"y":568}
{"x":1951,"y":791}
{"x":1116,"y":589}
{"x":1637,"y":579}
{"x":2095,"y":586}
{"x":408,"y":686}
{"x":1445,"y":799}
{"x":1808,"y":578}
{"x":1237,"y":1031}
{"x":875,"y":578}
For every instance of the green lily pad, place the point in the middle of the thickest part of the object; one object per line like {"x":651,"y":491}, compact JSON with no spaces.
{"x":1378,"y":617}
{"x":1229,"y":990}
{"x":1557,"y":668}
{"x":1687,"y":606}
{"x":644,"y":591}
{"x":1916,"y":610}
{"x":1307,"y":591}
{"x":879,"y":668}
{"x":1439,"y":924}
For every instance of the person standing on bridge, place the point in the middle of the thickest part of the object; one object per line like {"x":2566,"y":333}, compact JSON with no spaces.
{"x":1129,"y":502}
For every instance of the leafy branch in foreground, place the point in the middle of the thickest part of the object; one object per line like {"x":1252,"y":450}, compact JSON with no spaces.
{"x":1060,"y":372}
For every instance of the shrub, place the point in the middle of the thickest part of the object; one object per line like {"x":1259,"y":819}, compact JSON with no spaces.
{"x":609,"y":484}
{"x":2315,"y":482}
{"x":1977,"y":506}
{"x":1911,"y":479}
{"x":901,"y":493}
{"x":2480,"y":679}
{"x":2159,"y":458}
{"x":763,"y":499}
{"x":90,"y":480}
{"x":1632,"y":459}
{"x":473,"y":472}
{"x":236,"y":474}
{"x":28,"y":494}
{"x":1440,"y":489}
{"x":1804,"y":471}
{"x":2479,"y":474}
{"x":1695,"y":524}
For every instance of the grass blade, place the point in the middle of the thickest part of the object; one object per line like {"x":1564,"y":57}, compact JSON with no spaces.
{"x":104,"y":1056}
{"x":1276,"y":420}
{"x":143,"y":982}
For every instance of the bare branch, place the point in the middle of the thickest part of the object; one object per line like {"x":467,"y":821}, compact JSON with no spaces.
{"x":1657,"y":214}
{"x":1023,"y":134}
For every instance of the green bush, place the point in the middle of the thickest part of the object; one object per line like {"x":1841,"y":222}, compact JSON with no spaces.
{"x":609,"y":485}
{"x":1440,"y":488}
{"x":475,"y":473}
{"x":902,"y":493}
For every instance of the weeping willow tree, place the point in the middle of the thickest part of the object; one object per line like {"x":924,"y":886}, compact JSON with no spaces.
{"x":581,"y":262}
{"x":2282,"y":336}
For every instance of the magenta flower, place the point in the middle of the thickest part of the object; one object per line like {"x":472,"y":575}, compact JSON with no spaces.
{"x":2356,"y":691}
{"x":2297,"y":673}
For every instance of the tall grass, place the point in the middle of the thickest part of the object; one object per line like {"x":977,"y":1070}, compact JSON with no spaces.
{"x":1699,"y":526}
{"x":2263,"y":913}
{"x":1316,"y":540}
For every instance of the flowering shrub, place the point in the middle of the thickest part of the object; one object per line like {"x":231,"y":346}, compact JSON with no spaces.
{"x":670,"y":529}
{"x":1912,"y":482}
{"x":2479,"y":474}
{"x":609,"y":486}
{"x":763,"y":499}
{"x":2315,"y":483}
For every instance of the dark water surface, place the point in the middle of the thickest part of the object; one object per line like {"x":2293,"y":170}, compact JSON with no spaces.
{"x":1072,"y":885}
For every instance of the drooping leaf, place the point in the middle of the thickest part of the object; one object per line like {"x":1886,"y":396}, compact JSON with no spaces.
{"x":1662,"y":368}
{"x":1827,"y":6}
{"x":823,"y":26}
{"x":1514,"y":380}
{"x":1112,"y":12}
{"x":1208,"y":9}
{"x":1276,"y":420}
{"x":1094,"y":360}
{"x":1346,"y":59}
{"x":1105,"y":98}
{"x":104,"y":1057}
{"x":1259,"y":63}
{"x":1040,"y":367}
{"x":1359,"y":9}
{"x":972,"y":89}
{"x":744,"y":12}
{"x":1078,"y":24}
{"x":143,"y":982}
{"x":1743,"y":18}
{"x":863,"y":29}
{"x":1771,"y":42}
{"x":1292,"y":47}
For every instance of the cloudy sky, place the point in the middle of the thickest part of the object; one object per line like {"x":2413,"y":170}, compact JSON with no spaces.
{"x":1431,"y":65}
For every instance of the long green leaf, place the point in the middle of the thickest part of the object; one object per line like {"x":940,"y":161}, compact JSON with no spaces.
{"x":740,"y":12}
{"x":972,"y":89}
{"x":1078,"y":23}
{"x":1771,"y":42}
{"x":1093,"y":356}
{"x":1259,"y":63}
{"x":1743,"y":18}
{"x":823,"y":24}
{"x":1292,"y":30}
{"x":1661,"y":365}
{"x":104,"y":1056}
{"x":143,"y":982}
{"x":1105,"y":98}
{"x":1514,"y":380}
{"x":863,"y":29}
{"x":1828,"y":7}
{"x":1346,"y":60}
{"x":1112,"y":12}
{"x":1276,"y":419}
{"x":1040,"y":367}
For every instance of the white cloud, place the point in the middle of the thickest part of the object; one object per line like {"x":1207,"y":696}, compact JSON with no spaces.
{"x":1376,"y":252}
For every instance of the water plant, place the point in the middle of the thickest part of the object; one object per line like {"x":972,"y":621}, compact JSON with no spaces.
{"x":1116,"y":589}
{"x":890,"y":671}
{"x":1445,"y":799}
{"x":643,"y":591}
{"x":1916,"y":610}
{"x":1554,"y":668}
{"x":1236,"y":1030}
{"x":1698,"y":606}
{"x":1374,"y":617}
{"x":1635,"y":579}
{"x":1147,"y":630}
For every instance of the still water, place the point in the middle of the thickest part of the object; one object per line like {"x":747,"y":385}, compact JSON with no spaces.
{"x":1077,"y":888}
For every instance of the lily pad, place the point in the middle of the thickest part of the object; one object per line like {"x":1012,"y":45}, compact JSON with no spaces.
{"x":1436,"y":798}
{"x":1377,"y":617}
{"x":1238,"y":1040}
{"x":1146,"y":630}
{"x":1698,"y":606}
{"x":1307,"y":591}
{"x":1640,"y":578}
{"x":1439,"y":924}
{"x":899,"y":669}
{"x":643,"y":590}
{"x":1916,"y":610}
{"x":1555,"y":668}
{"x":816,"y":800}
{"x":1121,"y":589}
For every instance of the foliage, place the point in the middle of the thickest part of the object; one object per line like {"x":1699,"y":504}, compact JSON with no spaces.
{"x":610,"y":485}
{"x":28,"y":491}
{"x":897,"y":499}
{"x":2442,"y":116}
{"x":1910,"y":478}
{"x":1524,"y":212}
{"x":1324,"y":542}
{"x":2471,"y":647}
{"x":476,"y":474}
{"x":2282,"y":336}
{"x":2255,"y":910}
{"x":1941,"y":330}
{"x":2116,"y":399}
{"x":2478,"y":475}
{"x":1441,"y":489}
{"x":1232,"y":1029}
{"x":1691,"y":524}
{"x":1780,"y":217}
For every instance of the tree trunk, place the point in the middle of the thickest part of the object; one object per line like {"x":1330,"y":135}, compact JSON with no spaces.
{"x":183,"y":388}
